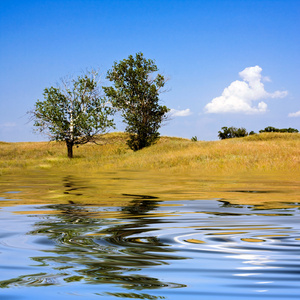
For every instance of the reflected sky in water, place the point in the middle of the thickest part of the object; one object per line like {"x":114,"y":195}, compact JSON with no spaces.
{"x":148,"y":248}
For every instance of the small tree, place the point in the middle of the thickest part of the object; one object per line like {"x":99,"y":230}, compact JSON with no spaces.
{"x":135,"y":93}
{"x":290,"y":130}
{"x":74,"y":112}
{"x":225,"y":133}
{"x":269,"y":129}
{"x":240,"y":132}
{"x":232,"y":132}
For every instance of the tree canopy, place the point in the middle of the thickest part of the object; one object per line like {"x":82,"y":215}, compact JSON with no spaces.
{"x":232,"y":132}
{"x":73,"y":112}
{"x":273,"y":129}
{"x":135,"y":92}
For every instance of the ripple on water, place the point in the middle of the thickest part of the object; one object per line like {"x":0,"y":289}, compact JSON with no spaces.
{"x":152,"y":248}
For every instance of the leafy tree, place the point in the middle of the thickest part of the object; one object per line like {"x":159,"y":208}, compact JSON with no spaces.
{"x":269,"y":129}
{"x":73,"y":112}
{"x":135,"y":93}
{"x":232,"y":132}
{"x":273,"y":129}
{"x":289,"y":130}
{"x":240,"y":132}
{"x":224,"y":133}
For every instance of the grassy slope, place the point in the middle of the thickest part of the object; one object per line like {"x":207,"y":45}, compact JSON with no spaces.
{"x":267,"y":152}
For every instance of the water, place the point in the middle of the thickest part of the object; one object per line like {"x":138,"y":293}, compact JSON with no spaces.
{"x":149,"y":247}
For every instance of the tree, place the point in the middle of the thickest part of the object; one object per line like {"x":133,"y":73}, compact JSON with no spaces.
{"x":273,"y":129}
{"x":240,"y":132}
{"x":225,"y":134}
{"x":135,"y":93}
{"x":232,"y":132}
{"x":269,"y":129}
{"x":73,"y":112}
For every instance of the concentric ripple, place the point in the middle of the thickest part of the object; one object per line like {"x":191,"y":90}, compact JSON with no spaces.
{"x":200,"y":249}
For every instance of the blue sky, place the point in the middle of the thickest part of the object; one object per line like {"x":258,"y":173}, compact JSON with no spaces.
{"x":229,"y":63}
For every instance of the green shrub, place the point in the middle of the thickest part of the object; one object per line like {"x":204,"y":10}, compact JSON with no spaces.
{"x":232,"y":132}
{"x":273,"y":129}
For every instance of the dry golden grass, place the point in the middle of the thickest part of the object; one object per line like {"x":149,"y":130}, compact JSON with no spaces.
{"x":268,"y":152}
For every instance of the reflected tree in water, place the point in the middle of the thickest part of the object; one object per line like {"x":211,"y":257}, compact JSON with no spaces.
{"x":92,"y":247}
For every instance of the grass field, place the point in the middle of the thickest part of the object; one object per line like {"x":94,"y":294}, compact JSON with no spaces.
{"x":266,"y":152}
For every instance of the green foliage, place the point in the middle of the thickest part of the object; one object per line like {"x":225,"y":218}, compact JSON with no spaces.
{"x":135,"y":93}
{"x":273,"y":129}
{"x":232,"y":132}
{"x":194,"y":139}
{"x":74,"y":112}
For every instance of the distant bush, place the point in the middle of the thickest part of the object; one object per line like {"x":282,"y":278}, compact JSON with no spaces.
{"x":232,"y":132}
{"x":194,"y":139}
{"x":273,"y":129}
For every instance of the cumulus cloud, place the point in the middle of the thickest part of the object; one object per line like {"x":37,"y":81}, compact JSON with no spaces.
{"x":180,"y":113}
{"x":295,"y":114}
{"x":239,"y":96}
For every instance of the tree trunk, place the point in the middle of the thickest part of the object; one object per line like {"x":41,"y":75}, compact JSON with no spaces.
{"x":70,"y":149}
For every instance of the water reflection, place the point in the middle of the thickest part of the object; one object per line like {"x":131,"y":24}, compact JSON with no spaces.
{"x":95,"y":249}
{"x":148,"y":248}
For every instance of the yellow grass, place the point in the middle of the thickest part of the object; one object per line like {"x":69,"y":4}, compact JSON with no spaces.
{"x":268,"y":152}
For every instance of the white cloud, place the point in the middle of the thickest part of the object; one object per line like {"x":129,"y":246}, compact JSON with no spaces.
{"x":238,"y":97}
{"x":295,"y":114}
{"x":266,"y":79}
{"x":180,"y":113}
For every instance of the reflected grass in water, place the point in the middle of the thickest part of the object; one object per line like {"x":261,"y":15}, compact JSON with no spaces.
{"x":116,"y":188}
